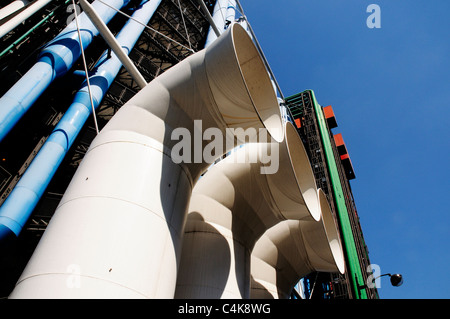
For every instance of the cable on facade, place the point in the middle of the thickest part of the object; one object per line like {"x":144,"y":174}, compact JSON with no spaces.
{"x":85,"y":68}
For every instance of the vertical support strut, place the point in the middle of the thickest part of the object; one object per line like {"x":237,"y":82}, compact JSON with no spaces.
{"x":112,"y":42}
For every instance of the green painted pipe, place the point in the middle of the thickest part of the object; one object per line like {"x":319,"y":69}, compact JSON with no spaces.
{"x":349,"y":242}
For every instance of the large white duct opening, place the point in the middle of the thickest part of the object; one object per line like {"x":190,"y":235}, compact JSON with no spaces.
{"x":293,"y":249}
{"x":232,"y":206}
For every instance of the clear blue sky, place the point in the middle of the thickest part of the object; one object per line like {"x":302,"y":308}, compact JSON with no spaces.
{"x":390,"y":91}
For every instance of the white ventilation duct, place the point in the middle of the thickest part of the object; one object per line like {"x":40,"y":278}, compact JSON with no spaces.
{"x":12,"y":8}
{"x":14,"y":21}
{"x":117,"y":231}
{"x":293,"y":249}
{"x":233,"y":205}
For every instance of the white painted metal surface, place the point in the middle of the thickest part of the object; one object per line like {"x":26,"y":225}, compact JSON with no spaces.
{"x":12,"y":7}
{"x":232,"y":206}
{"x":22,"y":16}
{"x":293,"y":249}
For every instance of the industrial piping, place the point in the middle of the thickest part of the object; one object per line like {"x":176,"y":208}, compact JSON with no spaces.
{"x":291,"y":250}
{"x":117,"y":230}
{"x":19,"y":205}
{"x":12,"y":8}
{"x":57,"y":57}
{"x":232,"y":205}
{"x":218,"y":22}
{"x":113,"y":43}
{"x":209,"y":17}
{"x":14,"y":21}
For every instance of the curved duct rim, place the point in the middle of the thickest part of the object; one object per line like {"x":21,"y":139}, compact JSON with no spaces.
{"x":303,"y":174}
{"x":253,"y":71}
{"x":322,"y":261}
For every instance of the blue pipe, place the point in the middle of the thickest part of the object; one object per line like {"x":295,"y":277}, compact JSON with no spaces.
{"x":55,"y":60}
{"x":19,"y":205}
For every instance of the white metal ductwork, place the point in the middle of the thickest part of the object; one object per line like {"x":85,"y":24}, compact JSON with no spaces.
{"x":12,"y":21}
{"x":117,"y":231}
{"x":292,"y":249}
{"x":232,"y":205}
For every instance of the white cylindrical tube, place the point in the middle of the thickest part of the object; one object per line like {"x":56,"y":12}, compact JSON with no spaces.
{"x":22,"y":16}
{"x":12,"y":7}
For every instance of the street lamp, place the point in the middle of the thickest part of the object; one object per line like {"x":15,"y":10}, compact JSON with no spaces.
{"x":396,"y":280}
